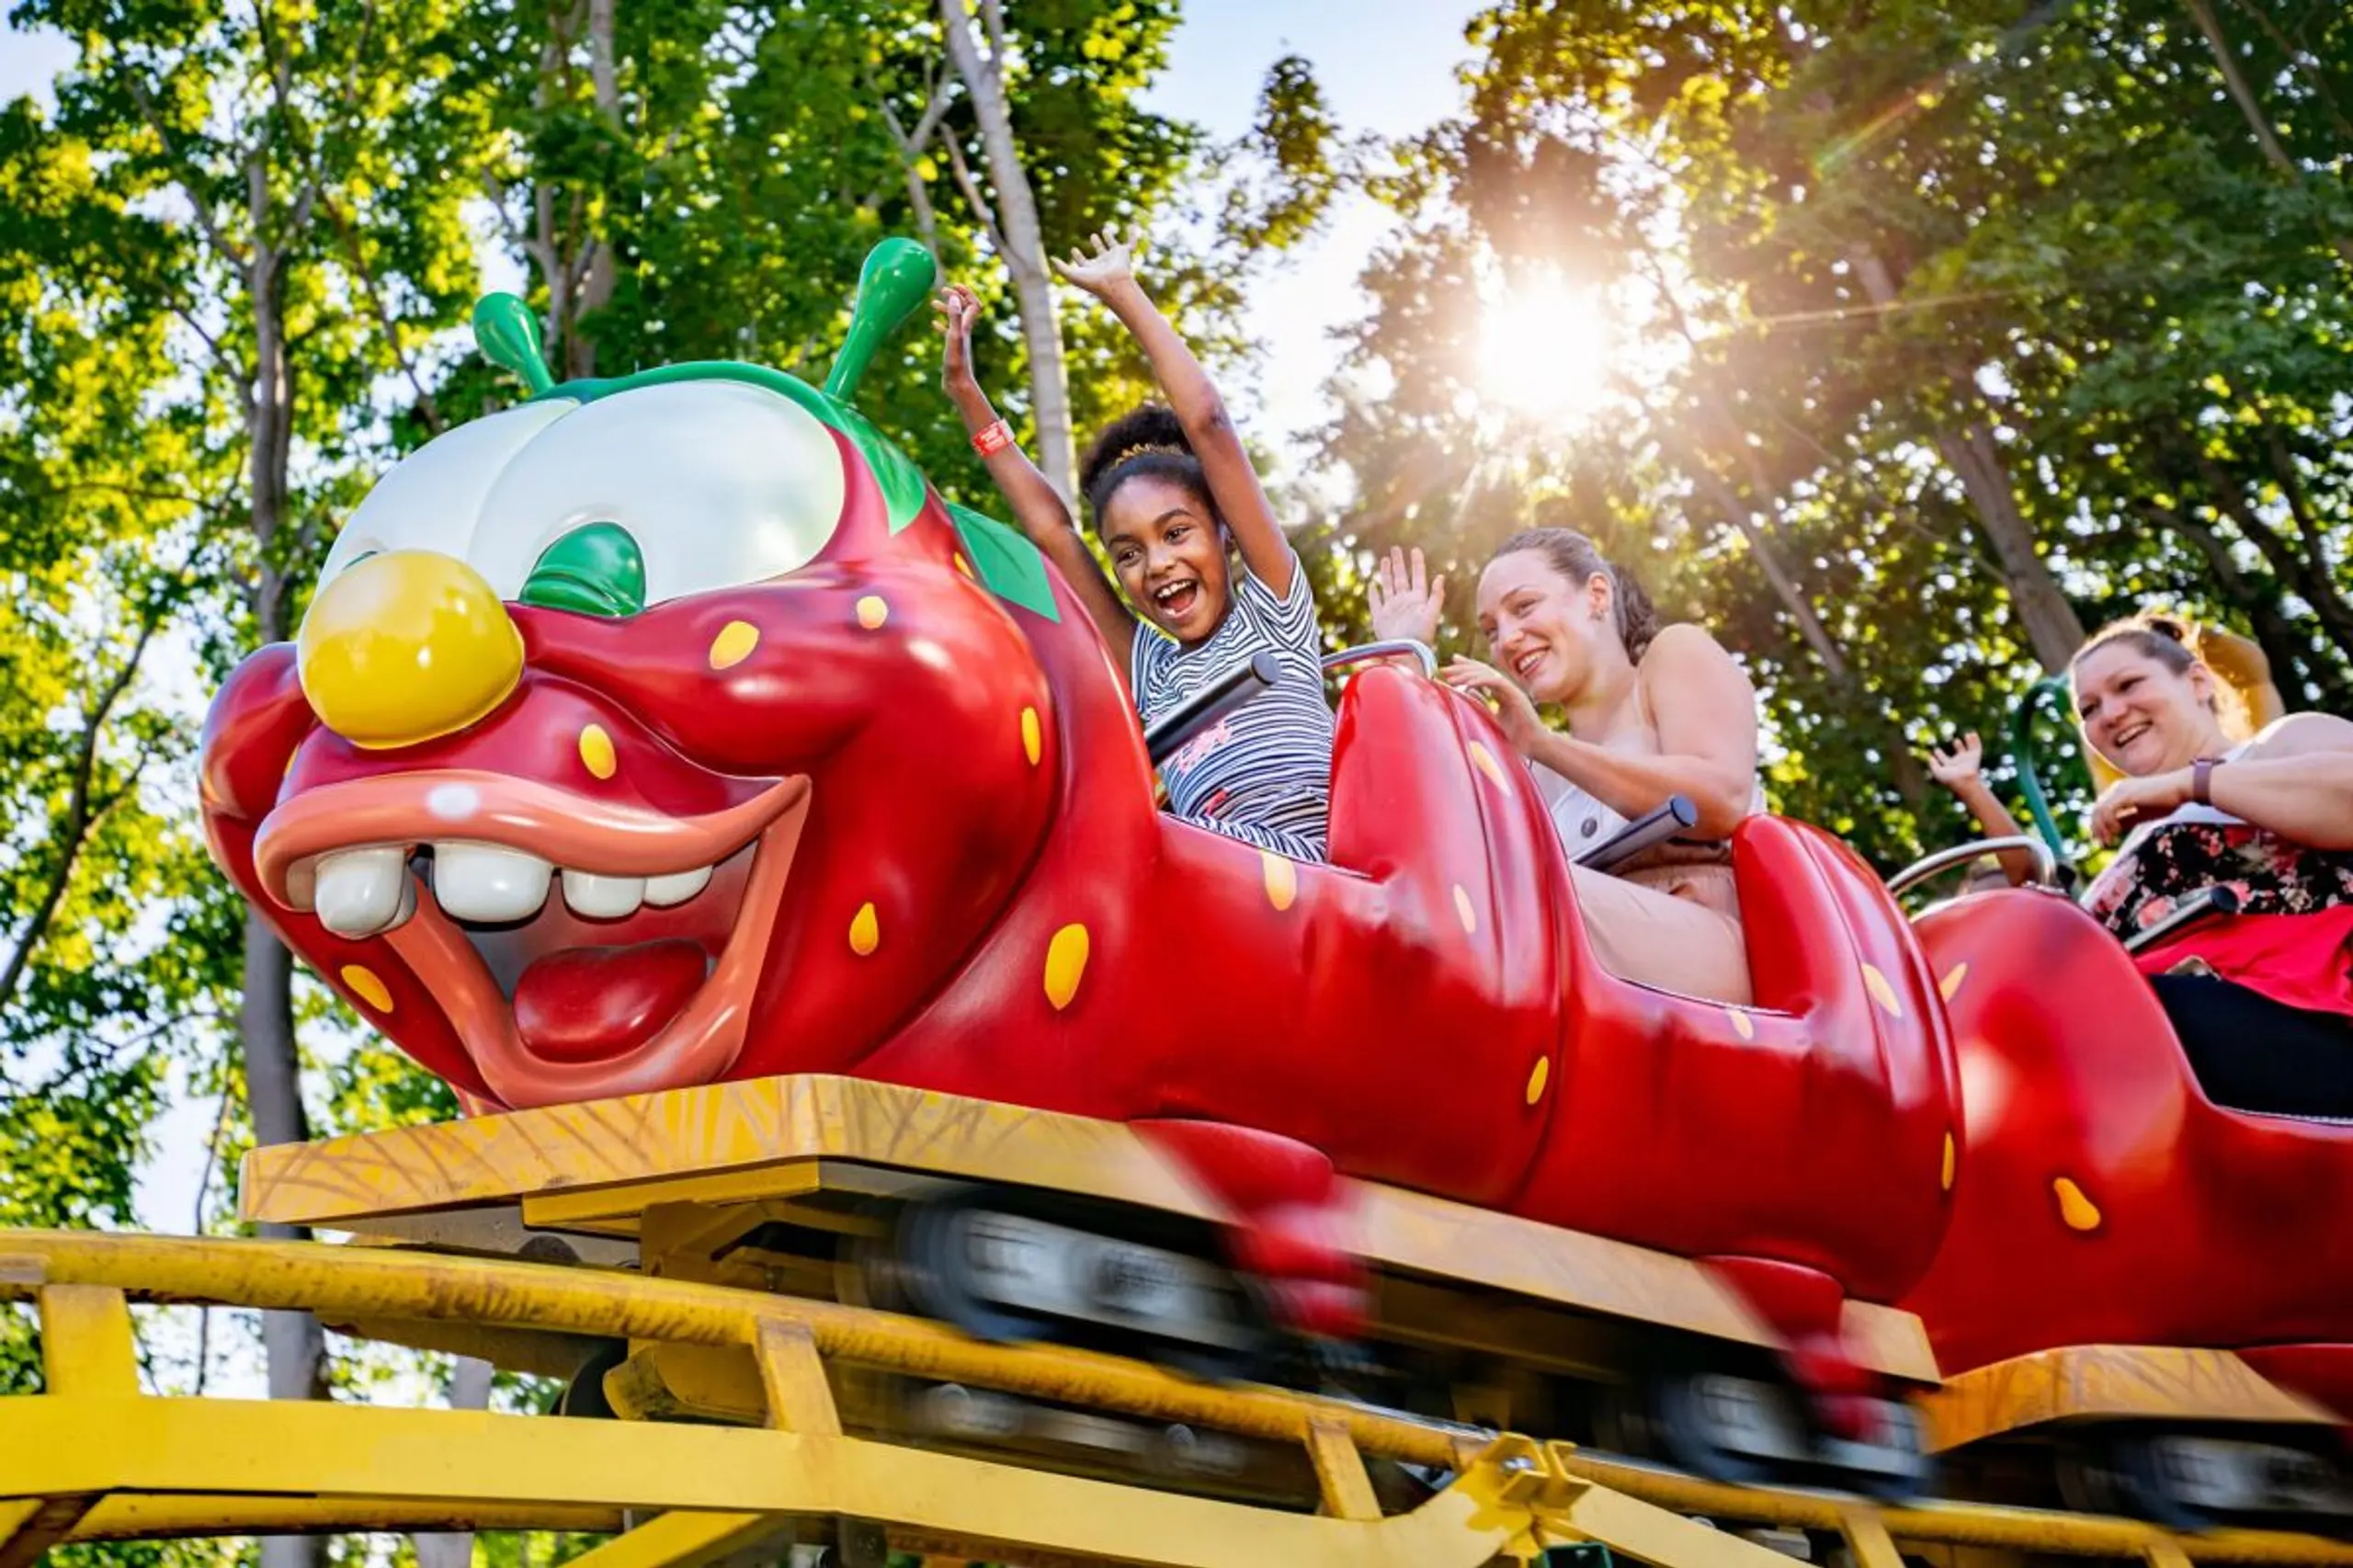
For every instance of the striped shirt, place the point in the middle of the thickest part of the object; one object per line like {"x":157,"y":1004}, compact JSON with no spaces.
{"x":1262,"y":774}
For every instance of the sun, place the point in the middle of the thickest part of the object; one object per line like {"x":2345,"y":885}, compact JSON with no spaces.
{"x":1545,"y":349}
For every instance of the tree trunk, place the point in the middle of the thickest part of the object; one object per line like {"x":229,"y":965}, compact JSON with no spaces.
{"x":1904,"y":768}
{"x":2052,"y":628}
{"x":293,"y":1342}
{"x":1025,"y":248}
{"x":469,"y":1381}
{"x":1785,"y":588}
{"x":595,"y":262}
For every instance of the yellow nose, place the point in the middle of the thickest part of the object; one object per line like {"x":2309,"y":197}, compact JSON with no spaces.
{"x":407,"y":647}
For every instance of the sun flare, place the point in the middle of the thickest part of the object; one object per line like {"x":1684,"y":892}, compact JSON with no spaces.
{"x":1545,"y":350}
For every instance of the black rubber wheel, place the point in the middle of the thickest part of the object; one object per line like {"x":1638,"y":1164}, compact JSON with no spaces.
{"x":2111,"y":1474}
{"x":928,"y":1266}
{"x":584,"y":1396}
{"x":2147,"y":1492}
{"x":935,"y":1271}
{"x":1680,"y":1430}
{"x":1916,"y":1481}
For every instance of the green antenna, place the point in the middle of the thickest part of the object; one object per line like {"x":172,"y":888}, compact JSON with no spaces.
{"x":898,"y":276}
{"x":508,"y":335}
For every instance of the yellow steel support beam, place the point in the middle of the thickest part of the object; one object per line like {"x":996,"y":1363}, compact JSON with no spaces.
{"x":85,"y":1344}
{"x":347,"y":1283}
{"x":467,"y":1459}
{"x":1339,"y":1471}
{"x":30,"y":1526}
{"x":178,"y":1516}
{"x":685,"y":1541}
{"x":242,"y":1467}
{"x":800,"y":1398}
{"x":1868,"y":1538}
{"x":1956,"y":1524}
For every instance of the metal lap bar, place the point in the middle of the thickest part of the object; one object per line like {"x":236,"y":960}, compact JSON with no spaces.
{"x":2207,"y":904}
{"x":1231,"y":691}
{"x":1654,"y":827}
{"x":2046,"y":865}
{"x":1388,"y":648}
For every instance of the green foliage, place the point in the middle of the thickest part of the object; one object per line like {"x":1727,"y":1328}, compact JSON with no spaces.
{"x":1887,"y":282}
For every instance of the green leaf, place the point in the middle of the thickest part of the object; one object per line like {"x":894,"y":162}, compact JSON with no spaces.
{"x":1007,"y":564}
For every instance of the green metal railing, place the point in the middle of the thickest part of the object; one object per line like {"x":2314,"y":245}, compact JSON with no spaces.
{"x":2022,"y":750}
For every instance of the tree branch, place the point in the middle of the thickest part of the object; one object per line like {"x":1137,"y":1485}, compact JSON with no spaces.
{"x":979,"y":203}
{"x":237,"y":371}
{"x":204,"y":219}
{"x":382,"y":312}
{"x":82,"y":815}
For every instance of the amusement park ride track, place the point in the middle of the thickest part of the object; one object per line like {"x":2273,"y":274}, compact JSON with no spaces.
{"x":94,"y":1459}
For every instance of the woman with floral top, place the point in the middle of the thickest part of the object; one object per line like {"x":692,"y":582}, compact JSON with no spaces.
{"x":2263,"y":999}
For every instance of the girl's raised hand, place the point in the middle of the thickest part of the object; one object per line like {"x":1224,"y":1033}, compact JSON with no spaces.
{"x":1514,"y":710}
{"x":956,"y":309}
{"x":1404,"y":599}
{"x":1958,"y":768}
{"x":1112,"y":264}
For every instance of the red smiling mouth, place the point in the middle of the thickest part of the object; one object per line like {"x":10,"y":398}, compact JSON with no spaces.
{"x":580,"y":948}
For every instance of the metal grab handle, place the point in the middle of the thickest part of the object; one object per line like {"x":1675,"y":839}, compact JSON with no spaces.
{"x":1231,"y":691}
{"x":1655,"y":827}
{"x":2205,"y":904}
{"x":1388,"y":649}
{"x":2046,"y":864}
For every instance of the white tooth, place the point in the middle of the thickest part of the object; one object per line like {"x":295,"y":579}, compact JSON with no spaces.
{"x":676,"y":888}
{"x":602,"y":898}
{"x":357,"y":892}
{"x":484,"y":882}
{"x":303,"y":885}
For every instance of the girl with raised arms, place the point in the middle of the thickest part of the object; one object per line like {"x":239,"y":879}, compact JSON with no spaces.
{"x":1175,"y":501}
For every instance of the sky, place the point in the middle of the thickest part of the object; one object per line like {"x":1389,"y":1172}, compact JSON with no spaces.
{"x":1386,"y":66}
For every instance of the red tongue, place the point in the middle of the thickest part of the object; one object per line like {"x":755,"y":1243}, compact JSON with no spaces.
{"x":591,"y":1004}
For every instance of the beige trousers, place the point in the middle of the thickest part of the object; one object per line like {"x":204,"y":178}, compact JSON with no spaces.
{"x":1670,"y":927}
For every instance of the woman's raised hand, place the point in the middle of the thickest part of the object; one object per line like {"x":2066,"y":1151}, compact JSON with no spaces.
{"x":1514,"y":710}
{"x":1404,"y":599}
{"x":955,"y":311}
{"x":1112,"y":264}
{"x":1959,"y":768}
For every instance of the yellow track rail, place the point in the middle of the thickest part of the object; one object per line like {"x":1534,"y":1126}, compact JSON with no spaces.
{"x":92,"y":1457}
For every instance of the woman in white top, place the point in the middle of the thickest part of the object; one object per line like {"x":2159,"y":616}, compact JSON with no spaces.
{"x":1652,"y":711}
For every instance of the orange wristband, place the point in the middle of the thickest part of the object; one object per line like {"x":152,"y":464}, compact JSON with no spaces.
{"x":993,"y":438}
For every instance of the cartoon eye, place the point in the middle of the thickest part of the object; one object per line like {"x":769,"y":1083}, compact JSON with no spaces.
{"x":594,"y":570}
{"x":712,"y":484}
{"x":433,"y":500}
